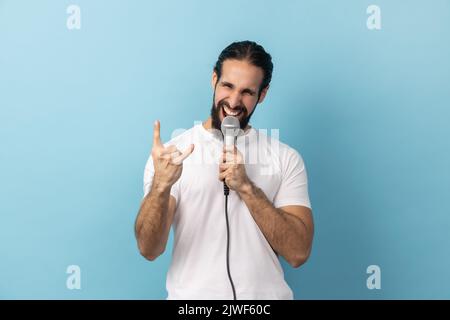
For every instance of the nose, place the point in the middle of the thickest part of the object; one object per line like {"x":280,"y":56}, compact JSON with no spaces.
{"x":234,"y":100}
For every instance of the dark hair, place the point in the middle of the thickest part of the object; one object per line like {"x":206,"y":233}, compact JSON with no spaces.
{"x":251,"y":52}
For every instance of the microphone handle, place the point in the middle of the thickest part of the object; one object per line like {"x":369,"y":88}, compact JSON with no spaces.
{"x":229,"y":141}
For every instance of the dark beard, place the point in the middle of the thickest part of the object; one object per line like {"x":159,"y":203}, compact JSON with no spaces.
{"x":216,"y":110}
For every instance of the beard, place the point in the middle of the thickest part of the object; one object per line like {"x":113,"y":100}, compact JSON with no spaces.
{"x":216,"y":112}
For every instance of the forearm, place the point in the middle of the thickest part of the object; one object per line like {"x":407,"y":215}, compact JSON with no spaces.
{"x":286,"y":233}
{"x":153,"y":221}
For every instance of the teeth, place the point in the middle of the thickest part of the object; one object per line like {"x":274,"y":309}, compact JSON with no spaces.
{"x":230,"y":112}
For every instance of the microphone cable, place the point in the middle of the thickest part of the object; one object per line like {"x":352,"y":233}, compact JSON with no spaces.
{"x":226,"y":192}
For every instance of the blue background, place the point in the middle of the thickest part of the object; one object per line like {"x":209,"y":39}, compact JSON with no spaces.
{"x":367,"y":109}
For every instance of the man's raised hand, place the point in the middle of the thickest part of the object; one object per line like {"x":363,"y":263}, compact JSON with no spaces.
{"x":167,"y":161}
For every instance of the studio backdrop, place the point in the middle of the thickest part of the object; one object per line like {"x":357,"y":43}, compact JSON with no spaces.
{"x":360,"y":88}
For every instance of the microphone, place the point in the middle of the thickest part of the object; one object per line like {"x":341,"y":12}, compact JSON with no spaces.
{"x":230,"y":129}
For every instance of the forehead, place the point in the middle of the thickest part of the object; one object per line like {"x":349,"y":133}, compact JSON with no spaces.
{"x":241,"y":73}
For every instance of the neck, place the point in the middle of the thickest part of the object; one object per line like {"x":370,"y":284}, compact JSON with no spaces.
{"x":207,"y":124}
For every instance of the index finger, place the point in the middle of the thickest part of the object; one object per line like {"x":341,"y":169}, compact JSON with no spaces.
{"x":230,"y":150}
{"x":156,"y":134}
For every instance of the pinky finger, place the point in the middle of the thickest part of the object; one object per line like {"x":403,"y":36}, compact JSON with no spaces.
{"x":184,"y":155}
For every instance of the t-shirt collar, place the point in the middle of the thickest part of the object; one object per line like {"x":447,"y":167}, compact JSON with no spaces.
{"x":216,"y":135}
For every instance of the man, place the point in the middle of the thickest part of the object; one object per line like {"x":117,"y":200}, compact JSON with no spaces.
{"x":269,"y":211}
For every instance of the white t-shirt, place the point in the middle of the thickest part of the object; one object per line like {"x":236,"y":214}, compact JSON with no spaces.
{"x":198,"y":267}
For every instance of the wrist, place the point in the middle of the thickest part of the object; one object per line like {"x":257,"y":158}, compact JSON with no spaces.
{"x":246,"y":188}
{"x":160,"y":185}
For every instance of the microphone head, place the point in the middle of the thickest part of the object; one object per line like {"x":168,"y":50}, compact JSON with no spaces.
{"x":230,"y":126}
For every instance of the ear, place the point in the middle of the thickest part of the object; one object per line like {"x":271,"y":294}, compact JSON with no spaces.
{"x":214,"y":80}
{"x":263,"y":94}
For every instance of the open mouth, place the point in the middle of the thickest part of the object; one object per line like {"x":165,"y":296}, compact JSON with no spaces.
{"x":230,"y":112}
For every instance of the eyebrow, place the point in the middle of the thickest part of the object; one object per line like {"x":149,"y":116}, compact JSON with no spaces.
{"x":232,"y":86}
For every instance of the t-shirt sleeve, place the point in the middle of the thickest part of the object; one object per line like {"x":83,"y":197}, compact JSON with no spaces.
{"x":293,"y":189}
{"x":149,"y":172}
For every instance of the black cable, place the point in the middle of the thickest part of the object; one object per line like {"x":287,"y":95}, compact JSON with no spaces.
{"x":226,"y":192}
